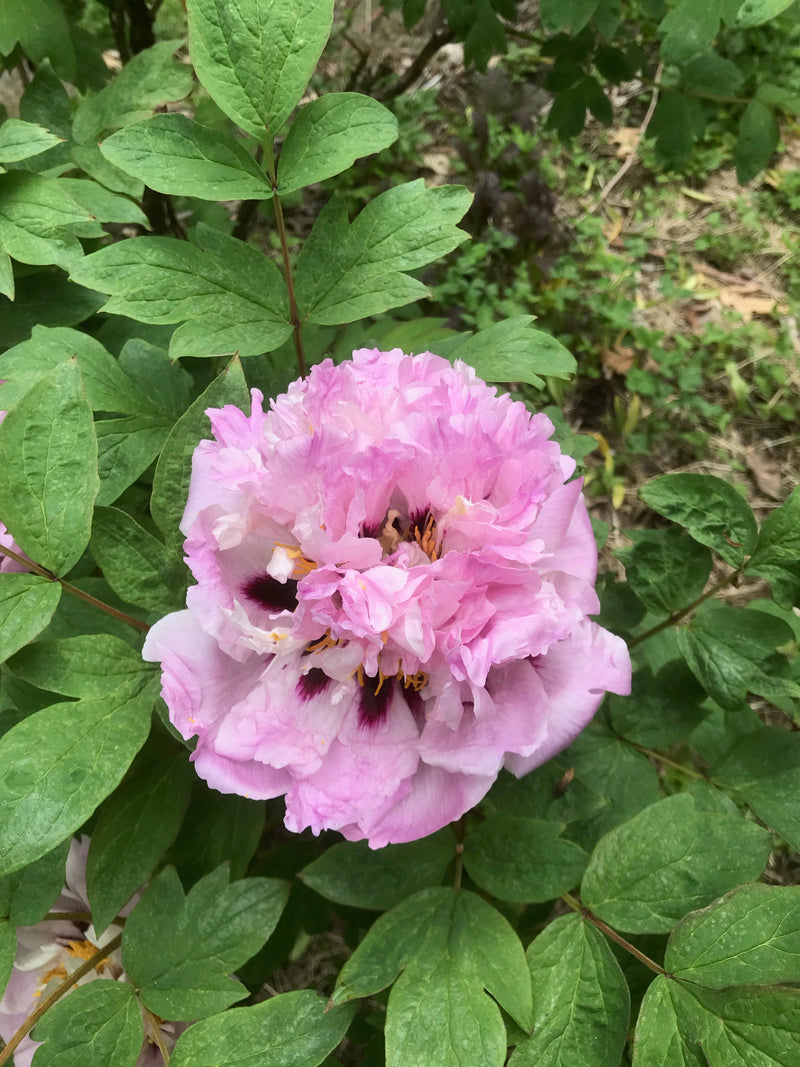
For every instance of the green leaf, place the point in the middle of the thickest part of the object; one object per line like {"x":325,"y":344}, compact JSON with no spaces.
{"x":758,"y":139}
{"x":99,"y":1025}
{"x":88,"y":158}
{"x":89,"y":665}
{"x":728,"y":650}
{"x":450,"y":947}
{"x":6,"y":275}
{"x":102,"y":203}
{"x":168,"y":386}
{"x":738,"y":1022}
{"x":152,"y":77}
{"x":581,"y":1000}
{"x":688,"y":30}
{"x":135,"y":828}
{"x":674,"y":127}
{"x":27,"y":604}
{"x":757,"y":12}
{"x":608,"y":17}
{"x":106,"y":385}
{"x":595,"y":784}
{"x":42,"y":30}
{"x":749,"y":937}
{"x":174,"y":468}
{"x":137,"y":566}
{"x":45,"y":298}
{"x":289,"y":1030}
{"x":710,"y":509}
{"x":685,"y":1025}
{"x":668,"y":860}
{"x":566,"y":15}
{"x":509,"y":351}
{"x":662,"y":708}
{"x":255,"y":58}
{"x":348,"y":271}
{"x":217,"y":829}
{"x":778,"y":96}
{"x":8,"y":951}
{"x":486,"y":36}
{"x":21,"y":140}
{"x":173,"y":154}
{"x":58,"y":764}
{"x":180,"y":950}
{"x":522,"y":860}
{"x":329,"y":134}
{"x":659,"y":1039}
{"x":229,"y":295}
{"x":668,"y":572}
{"x":125,"y":449}
{"x":48,"y":455}
{"x":351,"y":873}
{"x":777,"y":553}
{"x":710,"y":73}
{"x":30,"y":892}
{"x":40,"y":222}
{"x":763,"y":770}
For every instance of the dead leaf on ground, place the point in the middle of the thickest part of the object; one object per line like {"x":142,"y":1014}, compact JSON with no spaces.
{"x":618,"y":360}
{"x":612,"y":230}
{"x":766,"y":473}
{"x":626,"y":138}
{"x":746,"y":305}
{"x":439,"y":161}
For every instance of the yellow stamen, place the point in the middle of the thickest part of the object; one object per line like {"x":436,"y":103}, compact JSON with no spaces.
{"x":426,"y":539}
{"x":84,"y":950}
{"x":302,"y":566}
{"x":59,"y":971}
{"x":324,"y":642}
{"x":415,"y":681}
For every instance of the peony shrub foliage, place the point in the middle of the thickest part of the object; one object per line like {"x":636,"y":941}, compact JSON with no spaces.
{"x":321,"y":739}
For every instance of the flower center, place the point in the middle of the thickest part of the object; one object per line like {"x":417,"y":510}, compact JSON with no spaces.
{"x":420,"y":529}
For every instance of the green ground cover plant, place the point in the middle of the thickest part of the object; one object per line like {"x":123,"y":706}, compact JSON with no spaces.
{"x":186,"y":219}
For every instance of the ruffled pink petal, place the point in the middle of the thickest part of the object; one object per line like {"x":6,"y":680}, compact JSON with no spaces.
{"x":576,"y":674}
{"x":436,"y":798}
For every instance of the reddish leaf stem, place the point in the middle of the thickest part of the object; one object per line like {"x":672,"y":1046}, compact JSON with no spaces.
{"x":676,"y":616}
{"x":35,"y":568}
{"x":294,"y":313}
{"x":607,"y":930}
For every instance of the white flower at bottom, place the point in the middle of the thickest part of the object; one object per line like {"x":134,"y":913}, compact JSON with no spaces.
{"x":52,"y":950}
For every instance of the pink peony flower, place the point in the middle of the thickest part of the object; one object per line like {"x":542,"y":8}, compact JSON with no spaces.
{"x":7,"y":564}
{"x":52,"y":950}
{"x":393,"y":583}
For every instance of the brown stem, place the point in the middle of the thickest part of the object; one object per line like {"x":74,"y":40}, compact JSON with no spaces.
{"x":676,"y":616}
{"x":57,"y":994}
{"x":294,"y":314}
{"x":429,"y":50}
{"x":158,"y":1037}
{"x":35,"y":568}
{"x":689,"y":771}
{"x":632,"y":154}
{"x":605,"y":929}
{"x":245,"y":218}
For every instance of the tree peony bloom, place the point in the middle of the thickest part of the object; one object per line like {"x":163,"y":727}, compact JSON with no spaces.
{"x":52,"y":950}
{"x":393,"y":582}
